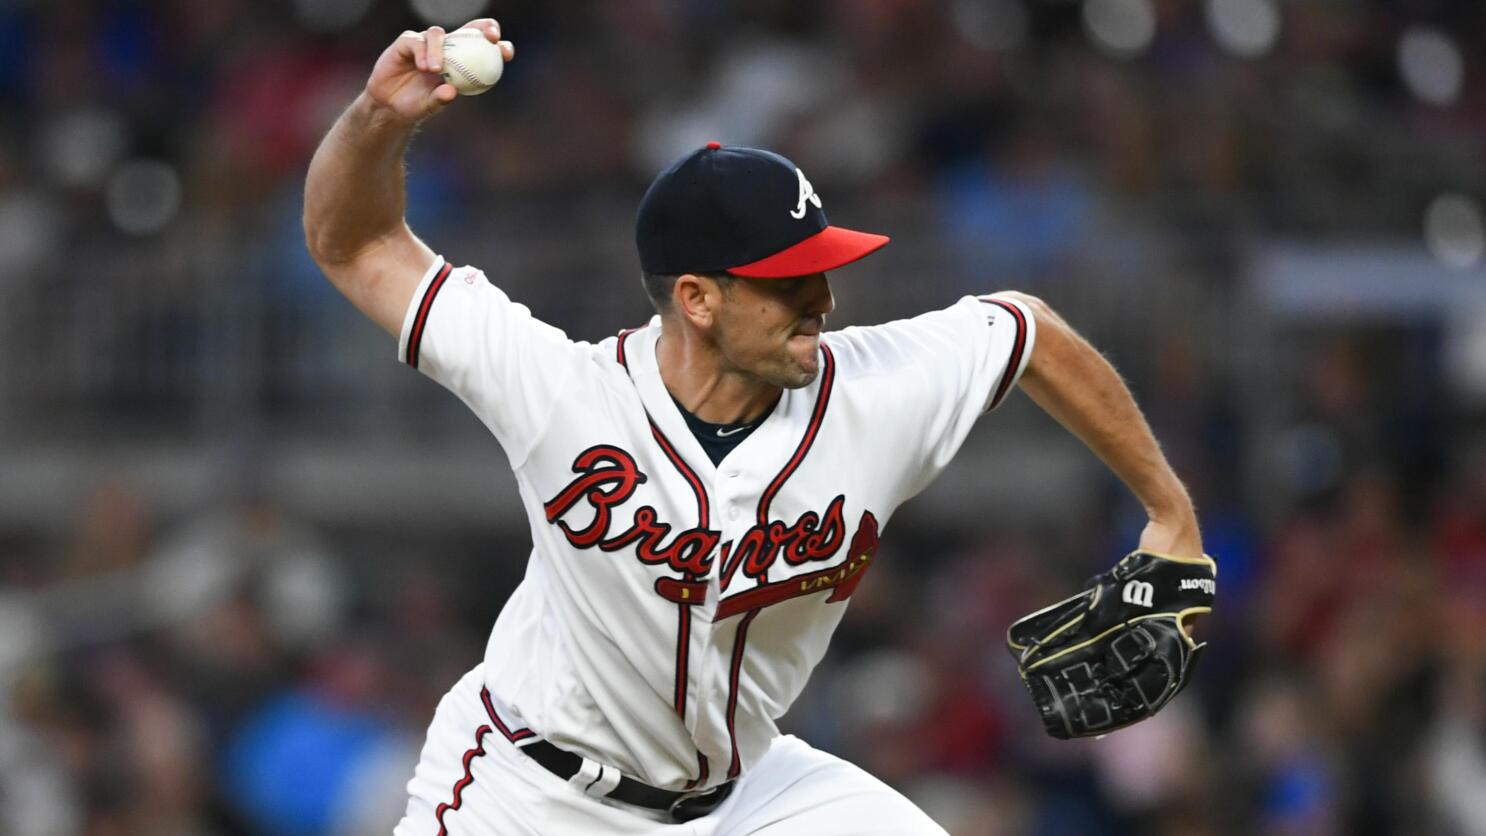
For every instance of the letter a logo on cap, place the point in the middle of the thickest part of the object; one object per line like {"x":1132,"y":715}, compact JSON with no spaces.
{"x":807,"y":192}
{"x":743,"y":211}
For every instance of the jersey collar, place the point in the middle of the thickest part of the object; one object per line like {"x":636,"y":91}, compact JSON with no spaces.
{"x":644,"y":369}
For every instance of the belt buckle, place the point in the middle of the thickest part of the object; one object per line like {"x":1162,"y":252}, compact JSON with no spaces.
{"x":681,"y":810}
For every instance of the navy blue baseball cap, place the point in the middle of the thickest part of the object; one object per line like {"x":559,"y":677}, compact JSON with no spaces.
{"x":741,"y":211}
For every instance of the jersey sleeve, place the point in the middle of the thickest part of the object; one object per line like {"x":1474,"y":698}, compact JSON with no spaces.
{"x":1011,"y":330}
{"x":505,"y":364}
{"x":932,"y":376}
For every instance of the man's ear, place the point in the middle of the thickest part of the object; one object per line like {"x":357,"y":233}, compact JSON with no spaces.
{"x":696,"y":298}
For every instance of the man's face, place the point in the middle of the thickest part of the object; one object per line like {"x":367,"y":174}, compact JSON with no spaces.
{"x":770,"y":328}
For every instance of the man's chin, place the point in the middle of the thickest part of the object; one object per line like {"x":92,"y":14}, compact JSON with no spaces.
{"x":803,"y":378}
{"x":806,"y":363}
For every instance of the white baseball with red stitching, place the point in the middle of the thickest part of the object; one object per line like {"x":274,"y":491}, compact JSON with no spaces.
{"x":472,"y":64}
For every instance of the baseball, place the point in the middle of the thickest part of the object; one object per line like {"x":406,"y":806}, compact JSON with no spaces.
{"x":472,"y":64}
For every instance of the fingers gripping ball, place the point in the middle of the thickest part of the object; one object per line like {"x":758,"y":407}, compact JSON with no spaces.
{"x":472,"y":64}
{"x":1117,"y":652}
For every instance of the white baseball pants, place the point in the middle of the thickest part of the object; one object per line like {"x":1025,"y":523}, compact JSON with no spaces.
{"x":486,"y":787}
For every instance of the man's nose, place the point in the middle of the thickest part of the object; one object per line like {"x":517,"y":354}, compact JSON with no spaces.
{"x":821,"y":300}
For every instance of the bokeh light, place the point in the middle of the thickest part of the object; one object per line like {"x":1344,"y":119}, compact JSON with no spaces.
{"x":994,"y":25}
{"x":1454,"y":232}
{"x":143,"y":196}
{"x":21,"y":633}
{"x":1465,"y":350}
{"x":1246,"y":28}
{"x":1431,"y":65}
{"x":30,"y":226}
{"x":82,"y":145}
{"x":330,"y":15}
{"x":1122,"y":28}
{"x":448,"y":13}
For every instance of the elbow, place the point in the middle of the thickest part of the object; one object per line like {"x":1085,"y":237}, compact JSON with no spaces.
{"x":320,"y":245}
{"x":325,"y":249}
{"x":315,"y":240}
{"x":332,"y":249}
{"x":1053,"y":335}
{"x":325,"y":239}
{"x":1044,"y":316}
{"x":312,"y":246}
{"x":1040,"y":309}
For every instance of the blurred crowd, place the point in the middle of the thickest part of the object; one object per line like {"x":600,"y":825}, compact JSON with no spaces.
{"x":240,"y":662}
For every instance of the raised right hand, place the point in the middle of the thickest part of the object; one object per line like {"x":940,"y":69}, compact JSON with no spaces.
{"x":407,"y":77}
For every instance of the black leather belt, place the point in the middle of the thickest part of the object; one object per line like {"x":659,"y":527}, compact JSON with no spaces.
{"x":682,"y":806}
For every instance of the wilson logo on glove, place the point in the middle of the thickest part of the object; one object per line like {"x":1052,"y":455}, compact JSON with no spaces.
{"x":1093,"y":664}
{"x":1139,"y":593}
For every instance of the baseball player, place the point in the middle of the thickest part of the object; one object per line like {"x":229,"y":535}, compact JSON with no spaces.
{"x":705,"y":492}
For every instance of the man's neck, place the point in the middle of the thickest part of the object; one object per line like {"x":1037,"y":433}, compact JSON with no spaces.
{"x":698,"y":378}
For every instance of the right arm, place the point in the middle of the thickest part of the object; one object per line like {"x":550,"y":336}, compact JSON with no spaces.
{"x":1071,"y":381}
{"x":354,"y":195}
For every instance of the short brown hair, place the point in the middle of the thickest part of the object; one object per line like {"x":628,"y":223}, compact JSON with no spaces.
{"x":660,"y":287}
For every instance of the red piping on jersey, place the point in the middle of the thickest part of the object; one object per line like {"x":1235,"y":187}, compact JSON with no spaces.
{"x":738,"y":644}
{"x":683,"y":617}
{"x":415,"y":336}
{"x":697,"y":488}
{"x":683,"y":650}
{"x":702,"y":776}
{"x":822,"y":400}
{"x":827,"y":379}
{"x":1017,"y":347}
{"x":466,"y":780}
{"x":619,"y":346}
{"x":512,"y":736}
{"x":683,"y":610}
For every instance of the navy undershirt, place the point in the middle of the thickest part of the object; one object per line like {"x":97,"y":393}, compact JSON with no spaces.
{"x":719,"y":439}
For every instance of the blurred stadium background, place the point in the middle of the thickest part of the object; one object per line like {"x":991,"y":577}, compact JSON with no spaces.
{"x":243,"y":551}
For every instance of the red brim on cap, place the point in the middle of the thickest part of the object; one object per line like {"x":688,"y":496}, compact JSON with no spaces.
{"x":828,"y":249}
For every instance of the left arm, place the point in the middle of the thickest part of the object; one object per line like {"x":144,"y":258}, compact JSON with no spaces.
{"x":1072,"y":382}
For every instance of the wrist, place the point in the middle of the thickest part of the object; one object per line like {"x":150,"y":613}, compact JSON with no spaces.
{"x":1179,"y":536}
{"x":1171,"y":507}
{"x":1173,"y":515}
{"x":377,"y":116}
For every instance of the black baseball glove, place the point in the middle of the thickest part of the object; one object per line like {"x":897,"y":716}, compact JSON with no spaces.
{"x":1115,"y":653}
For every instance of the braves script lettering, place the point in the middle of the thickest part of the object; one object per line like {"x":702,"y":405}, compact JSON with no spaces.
{"x":608,"y":476}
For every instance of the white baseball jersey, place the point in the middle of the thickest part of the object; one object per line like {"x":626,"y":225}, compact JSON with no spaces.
{"x":672,"y":609}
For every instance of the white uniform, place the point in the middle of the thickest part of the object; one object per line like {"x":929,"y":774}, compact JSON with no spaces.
{"x":673,"y":609}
